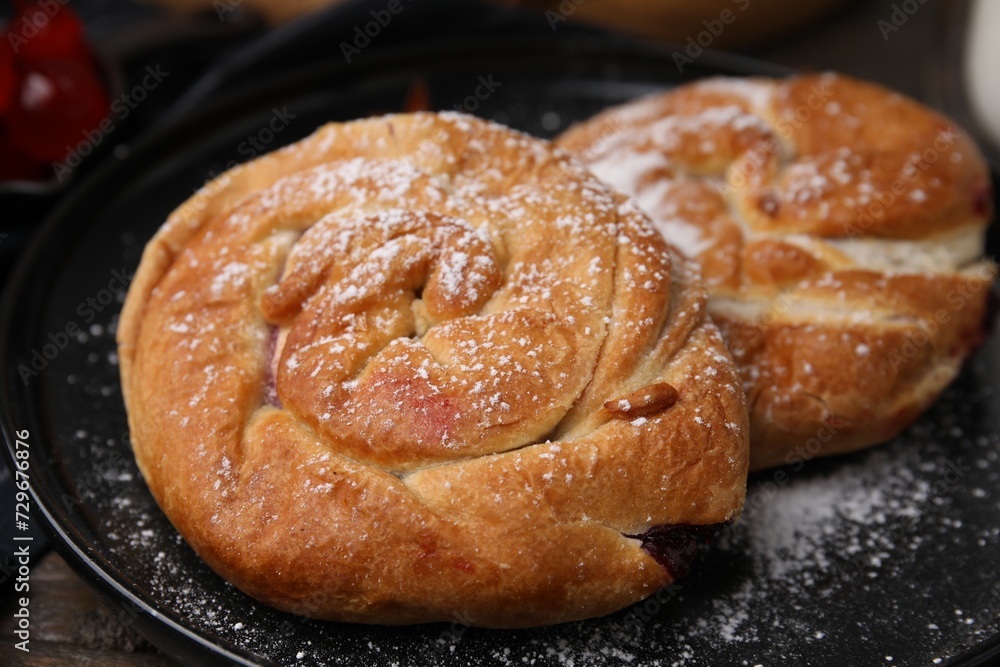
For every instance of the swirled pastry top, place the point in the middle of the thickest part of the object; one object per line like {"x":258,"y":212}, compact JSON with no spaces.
{"x":423,"y":367}
{"x":835,"y":222}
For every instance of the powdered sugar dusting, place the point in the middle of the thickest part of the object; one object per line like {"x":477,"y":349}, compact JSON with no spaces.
{"x":925,"y":603}
{"x":828,"y":556}
{"x":782,"y":204}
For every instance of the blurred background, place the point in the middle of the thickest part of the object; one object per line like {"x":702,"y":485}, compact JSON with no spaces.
{"x":66,"y":69}
{"x":69,"y":66}
{"x":81,"y":81}
{"x":65,"y":64}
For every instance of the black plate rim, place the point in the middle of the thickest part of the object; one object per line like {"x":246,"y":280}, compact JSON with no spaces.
{"x":172,"y":636}
{"x":180,"y":640}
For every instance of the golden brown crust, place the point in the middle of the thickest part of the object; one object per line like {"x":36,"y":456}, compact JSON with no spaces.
{"x":839,"y":229}
{"x":366,"y":378}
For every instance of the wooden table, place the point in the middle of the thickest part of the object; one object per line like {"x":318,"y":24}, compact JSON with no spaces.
{"x":71,"y":625}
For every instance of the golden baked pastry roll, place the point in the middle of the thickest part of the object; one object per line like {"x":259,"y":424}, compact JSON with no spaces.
{"x":424,"y":368}
{"x":839,"y":227}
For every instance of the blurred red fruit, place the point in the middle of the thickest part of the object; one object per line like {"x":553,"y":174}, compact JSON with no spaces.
{"x":8,"y":74}
{"x":57,"y":103}
{"x":37,"y":34}
{"x":51,"y":99}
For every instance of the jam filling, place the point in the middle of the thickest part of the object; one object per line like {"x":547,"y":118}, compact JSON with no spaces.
{"x":673,"y":546}
{"x":271,"y":383}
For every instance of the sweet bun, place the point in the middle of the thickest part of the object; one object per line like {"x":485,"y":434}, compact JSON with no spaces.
{"x":839,"y":227}
{"x":425,"y":368}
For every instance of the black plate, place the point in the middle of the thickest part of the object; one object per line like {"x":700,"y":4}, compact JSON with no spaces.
{"x":881,"y":558}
